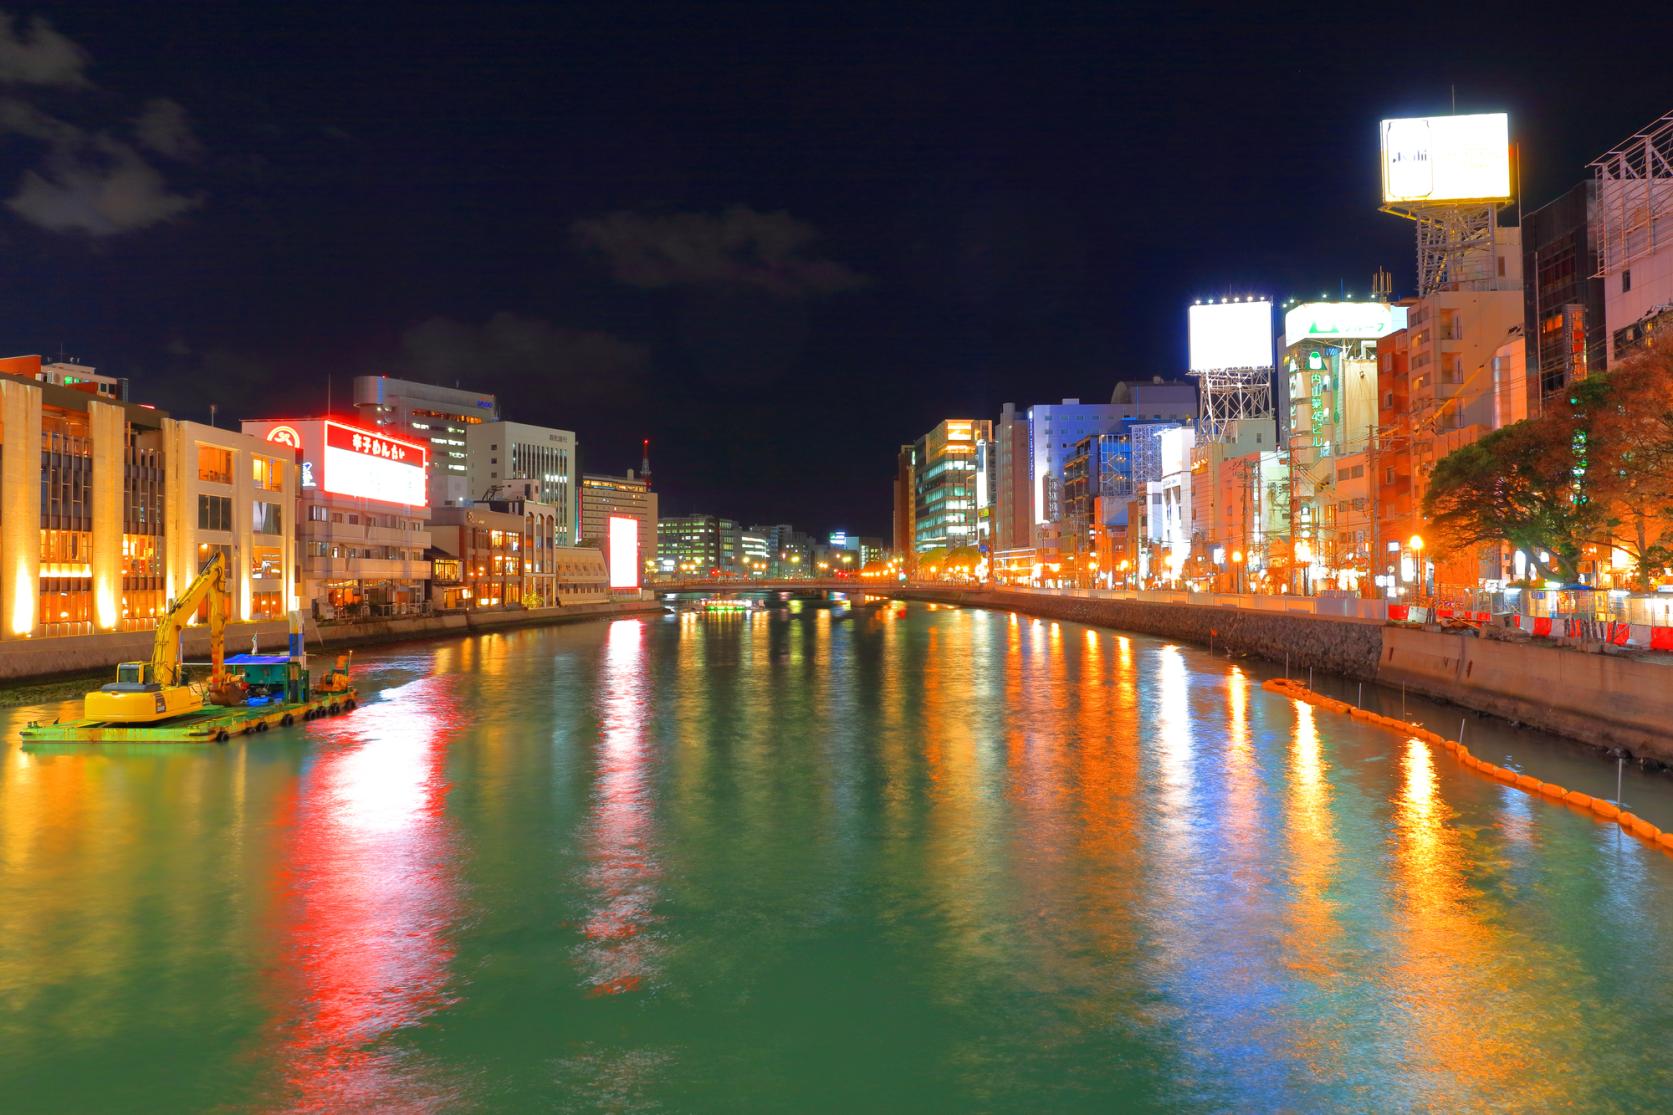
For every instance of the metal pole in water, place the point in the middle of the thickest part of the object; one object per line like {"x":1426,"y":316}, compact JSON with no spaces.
{"x":1460,"y":729}
{"x":1286,"y":664}
{"x":1620,"y":765}
{"x":1361,"y":701}
{"x":1309,"y":677}
{"x":1402,"y":700}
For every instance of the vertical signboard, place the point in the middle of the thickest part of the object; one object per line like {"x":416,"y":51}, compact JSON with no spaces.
{"x":624,"y":552}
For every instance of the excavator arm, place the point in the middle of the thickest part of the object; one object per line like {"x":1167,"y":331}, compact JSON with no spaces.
{"x":165,"y":650}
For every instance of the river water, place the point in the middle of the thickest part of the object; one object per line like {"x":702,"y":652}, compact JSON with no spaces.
{"x":905,"y":858}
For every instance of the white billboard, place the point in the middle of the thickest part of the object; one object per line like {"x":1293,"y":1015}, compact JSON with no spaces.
{"x":624,"y":552}
{"x":1446,"y":158}
{"x":1231,"y":334}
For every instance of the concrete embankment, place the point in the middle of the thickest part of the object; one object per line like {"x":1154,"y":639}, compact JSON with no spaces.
{"x":1602,"y":700}
{"x":80,"y":654}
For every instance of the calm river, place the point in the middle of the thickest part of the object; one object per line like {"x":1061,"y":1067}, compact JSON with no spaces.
{"x":910,"y":858}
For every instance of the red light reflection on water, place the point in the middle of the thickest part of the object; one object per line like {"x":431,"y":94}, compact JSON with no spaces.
{"x":368,"y":901}
{"x":620,"y":840}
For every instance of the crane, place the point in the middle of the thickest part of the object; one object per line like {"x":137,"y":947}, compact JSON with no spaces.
{"x":146,"y":692}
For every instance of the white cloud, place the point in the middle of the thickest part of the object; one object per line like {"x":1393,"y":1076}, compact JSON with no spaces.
{"x":39,"y":55}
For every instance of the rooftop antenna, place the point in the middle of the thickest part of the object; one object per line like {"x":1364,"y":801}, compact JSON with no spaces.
{"x":211,"y":414}
{"x":645,"y":461}
{"x":1455,"y":98}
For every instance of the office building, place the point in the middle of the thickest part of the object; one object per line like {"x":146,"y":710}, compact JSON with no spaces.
{"x":501,"y":452}
{"x":1013,"y":482}
{"x":699,"y":546}
{"x":951,"y":495}
{"x":363,"y":518}
{"x":438,"y":418}
{"x":903,"y":532}
{"x":1562,"y":301}
{"x":626,"y":497}
{"x":107,"y":509}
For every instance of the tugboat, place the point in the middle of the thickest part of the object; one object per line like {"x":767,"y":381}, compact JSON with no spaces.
{"x":153,"y":702}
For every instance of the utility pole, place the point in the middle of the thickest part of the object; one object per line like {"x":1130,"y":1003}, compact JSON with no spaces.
{"x":1373,"y":555}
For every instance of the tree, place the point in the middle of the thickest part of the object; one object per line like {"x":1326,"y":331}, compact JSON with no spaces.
{"x":1629,"y":458}
{"x":1515,"y":485}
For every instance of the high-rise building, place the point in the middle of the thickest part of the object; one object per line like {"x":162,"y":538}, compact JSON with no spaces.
{"x":699,"y":546}
{"x":502,"y":451}
{"x":1013,"y":482}
{"x":619,"y":497}
{"x":1053,"y":430}
{"x":1562,"y":300}
{"x":951,"y":493}
{"x":904,"y":504}
{"x":439,"y":418}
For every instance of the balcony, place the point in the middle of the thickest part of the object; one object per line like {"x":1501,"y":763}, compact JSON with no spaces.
{"x":365,"y":569}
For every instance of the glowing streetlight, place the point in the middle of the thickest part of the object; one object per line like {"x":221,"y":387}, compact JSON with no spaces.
{"x":1417,"y":543}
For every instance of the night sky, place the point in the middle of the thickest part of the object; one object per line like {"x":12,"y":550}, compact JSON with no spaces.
{"x":776,"y":241}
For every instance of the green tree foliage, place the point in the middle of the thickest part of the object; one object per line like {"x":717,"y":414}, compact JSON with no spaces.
{"x":1630,"y":467}
{"x":1594,"y":469}
{"x":1514,"y":485}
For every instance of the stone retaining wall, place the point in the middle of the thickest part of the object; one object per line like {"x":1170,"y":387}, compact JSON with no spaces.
{"x":1338,"y":645}
{"x":1604,"y":701}
{"x":81,"y":654}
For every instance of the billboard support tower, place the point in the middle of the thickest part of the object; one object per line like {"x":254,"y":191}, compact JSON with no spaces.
{"x":1450,"y":175}
{"x":1229,"y":394}
{"x":1231,"y":359}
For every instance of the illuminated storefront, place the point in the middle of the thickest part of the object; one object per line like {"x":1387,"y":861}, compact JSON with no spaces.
{"x":363,"y":516}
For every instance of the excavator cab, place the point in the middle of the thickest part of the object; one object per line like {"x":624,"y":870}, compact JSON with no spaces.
{"x":132,"y":673}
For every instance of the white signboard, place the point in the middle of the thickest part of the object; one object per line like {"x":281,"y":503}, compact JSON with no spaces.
{"x":1231,"y":335}
{"x":1446,"y":158}
{"x":1338,"y":320}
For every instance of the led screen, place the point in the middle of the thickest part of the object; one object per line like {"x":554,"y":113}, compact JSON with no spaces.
{"x":1231,"y":335}
{"x":372,"y":466}
{"x":624,"y":552}
{"x":1446,"y":158}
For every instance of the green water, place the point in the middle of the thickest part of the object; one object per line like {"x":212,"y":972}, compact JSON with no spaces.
{"x":907,"y":859}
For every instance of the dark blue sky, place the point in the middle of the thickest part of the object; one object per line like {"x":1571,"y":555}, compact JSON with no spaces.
{"x":777,"y":241}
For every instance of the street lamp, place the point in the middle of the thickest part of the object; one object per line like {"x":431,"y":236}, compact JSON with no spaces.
{"x":1237,"y":570}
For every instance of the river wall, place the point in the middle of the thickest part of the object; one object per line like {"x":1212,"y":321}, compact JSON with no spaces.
{"x":1603,"y":700}
{"x":80,"y":654}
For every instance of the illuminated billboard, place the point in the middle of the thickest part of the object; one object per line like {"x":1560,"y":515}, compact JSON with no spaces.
{"x":1231,"y":334}
{"x":624,"y":552}
{"x":1446,"y":158}
{"x":1342,"y":320}
{"x":371,"y":465}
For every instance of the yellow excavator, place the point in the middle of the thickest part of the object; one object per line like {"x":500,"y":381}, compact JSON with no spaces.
{"x":146,"y":692}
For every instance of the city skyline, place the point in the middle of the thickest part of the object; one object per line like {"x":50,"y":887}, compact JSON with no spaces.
{"x":962,"y":215}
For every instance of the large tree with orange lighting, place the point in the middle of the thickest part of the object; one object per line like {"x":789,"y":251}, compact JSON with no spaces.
{"x":1629,"y":458}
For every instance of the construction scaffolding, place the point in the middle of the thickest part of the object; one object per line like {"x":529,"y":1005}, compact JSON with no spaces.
{"x":1634,"y":197}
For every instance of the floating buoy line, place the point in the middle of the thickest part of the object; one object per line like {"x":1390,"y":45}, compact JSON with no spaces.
{"x":1598,"y":808}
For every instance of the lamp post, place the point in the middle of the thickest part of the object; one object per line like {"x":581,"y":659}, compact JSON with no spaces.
{"x":1304,"y":558}
{"x":1424,"y":586}
{"x":1237,"y":571}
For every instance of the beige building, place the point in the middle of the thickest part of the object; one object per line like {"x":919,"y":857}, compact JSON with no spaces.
{"x":107,"y":509}
{"x":627,"y":497}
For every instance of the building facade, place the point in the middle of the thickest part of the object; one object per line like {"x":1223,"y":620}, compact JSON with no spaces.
{"x":501,"y":452}
{"x":630,"y":496}
{"x":699,"y":546}
{"x":1562,"y":300}
{"x":363,"y":517}
{"x":951,"y":504}
{"x":438,"y":418}
{"x":108,"y":510}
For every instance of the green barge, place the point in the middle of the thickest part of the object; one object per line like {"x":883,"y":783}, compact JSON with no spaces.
{"x":209,"y":724}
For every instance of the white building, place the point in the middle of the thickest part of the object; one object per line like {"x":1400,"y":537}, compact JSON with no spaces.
{"x":440,"y":418}
{"x":1170,"y":504}
{"x":1634,"y":233}
{"x":363,"y":517}
{"x":500,"y":452}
